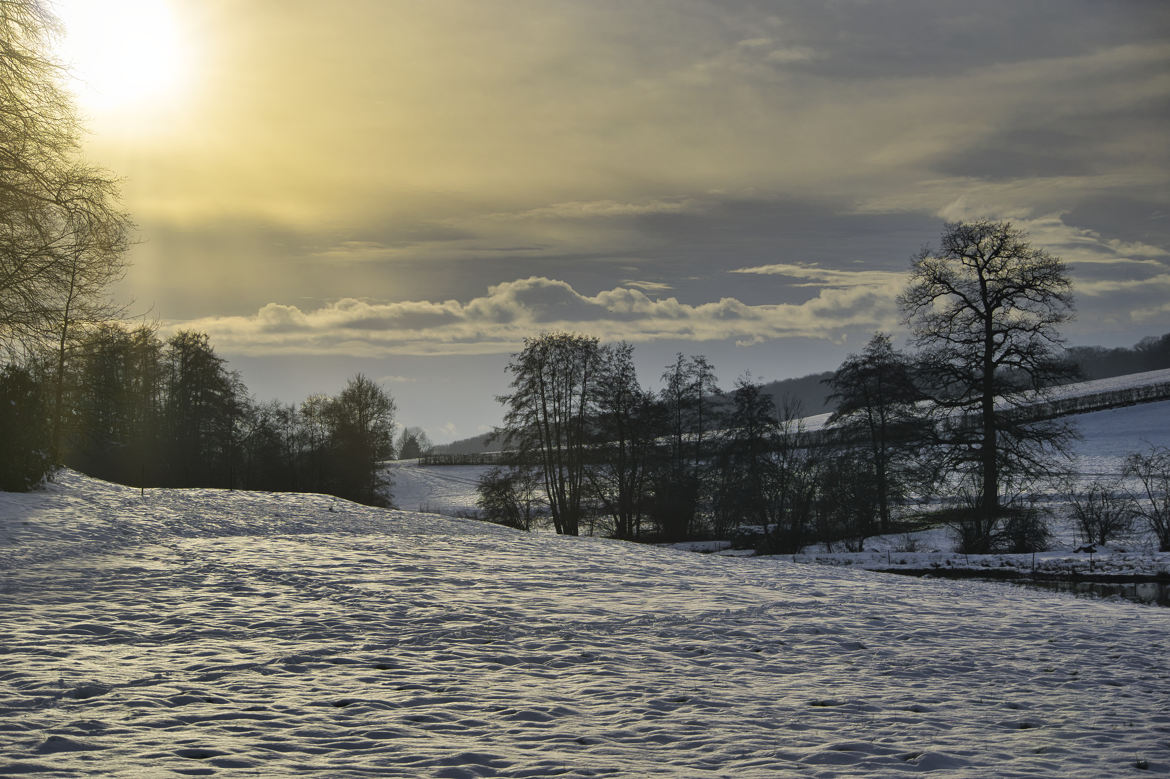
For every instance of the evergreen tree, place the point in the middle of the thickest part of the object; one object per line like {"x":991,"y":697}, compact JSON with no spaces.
{"x":24,"y":435}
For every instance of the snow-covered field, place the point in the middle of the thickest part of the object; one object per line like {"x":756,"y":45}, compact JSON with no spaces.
{"x":203,"y":632}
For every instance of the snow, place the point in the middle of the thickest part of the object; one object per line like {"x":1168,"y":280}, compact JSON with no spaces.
{"x":1108,"y":437}
{"x":449,"y":489}
{"x":210,"y":632}
{"x":1094,"y":386}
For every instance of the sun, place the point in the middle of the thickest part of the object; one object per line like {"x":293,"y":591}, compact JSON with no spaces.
{"x":122,"y":53}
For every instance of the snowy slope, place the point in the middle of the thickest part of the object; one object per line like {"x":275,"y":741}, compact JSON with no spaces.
{"x":202,"y":631}
{"x":1126,"y":381}
{"x":447,"y":489}
{"x":1108,"y":437}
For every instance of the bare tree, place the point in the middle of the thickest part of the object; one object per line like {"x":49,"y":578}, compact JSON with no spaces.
{"x":875,"y":395}
{"x":1102,"y":511}
{"x":626,"y":429}
{"x":690,"y":399}
{"x":748,"y":472}
{"x":547,"y":416}
{"x":62,"y":234}
{"x":984,"y":310}
{"x":1152,"y":470}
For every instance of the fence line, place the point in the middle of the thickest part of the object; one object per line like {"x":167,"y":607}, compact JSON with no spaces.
{"x":477,"y":458}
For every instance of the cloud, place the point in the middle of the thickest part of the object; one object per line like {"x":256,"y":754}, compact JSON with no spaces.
{"x":815,"y":276}
{"x":499,"y":321}
{"x":592,"y":209}
{"x":454,"y":145}
{"x":1080,"y":245}
{"x":648,"y":286}
{"x":1157,"y":286}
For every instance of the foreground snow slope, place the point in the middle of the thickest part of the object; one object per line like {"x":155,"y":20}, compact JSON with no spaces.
{"x":208,"y":632}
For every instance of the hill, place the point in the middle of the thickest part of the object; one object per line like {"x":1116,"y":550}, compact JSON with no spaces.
{"x":809,"y":393}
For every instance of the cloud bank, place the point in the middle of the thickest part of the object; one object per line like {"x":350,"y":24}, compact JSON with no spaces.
{"x":498,"y":321}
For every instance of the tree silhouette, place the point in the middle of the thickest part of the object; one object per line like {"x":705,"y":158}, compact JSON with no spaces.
{"x":547,"y":417}
{"x":875,"y":394}
{"x":62,"y":233}
{"x":984,"y":310}
{"x":361,"y":436}
{"x":690,"y":400}
{"x":626,"y":425}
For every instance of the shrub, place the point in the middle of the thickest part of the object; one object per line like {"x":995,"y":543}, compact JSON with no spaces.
{"x":1013,"y":529}
{"x":1152,"y":471}
{"x":509,"y":497}
{"x":1102,"y":512}
{"x":1024,"y":530}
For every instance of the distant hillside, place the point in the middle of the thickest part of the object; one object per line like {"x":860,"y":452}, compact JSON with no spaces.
{"x":1098,"y":362}
{"x":809,"y":392}
{"x":474,"y":445}
{"x":1095,"y":362}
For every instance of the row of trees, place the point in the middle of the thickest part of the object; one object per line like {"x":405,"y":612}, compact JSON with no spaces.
{"x":130,"y":407}
{"x":984,"y":310}
{"x":594,"y":451}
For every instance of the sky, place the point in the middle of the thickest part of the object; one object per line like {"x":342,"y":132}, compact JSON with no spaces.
{"x":409,"y":189}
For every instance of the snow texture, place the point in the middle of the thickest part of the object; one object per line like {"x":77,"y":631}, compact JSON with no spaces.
{"x":449,"y":489}
{"x":206,"y":632}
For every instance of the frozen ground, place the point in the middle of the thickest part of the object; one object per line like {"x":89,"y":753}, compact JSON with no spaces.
{"x":201,"y":632}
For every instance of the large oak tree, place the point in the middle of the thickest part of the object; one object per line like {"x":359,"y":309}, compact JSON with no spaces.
{"x":985,"y":309}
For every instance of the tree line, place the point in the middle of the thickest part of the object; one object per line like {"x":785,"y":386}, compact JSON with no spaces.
{"x":132,"y":408}
{"x":595,"y":451}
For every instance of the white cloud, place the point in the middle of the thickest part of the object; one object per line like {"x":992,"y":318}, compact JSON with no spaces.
{"x":1079,"y":245}
{"x":648,"y":286}
{"x":1152,"y":285}
{"x":499,"y":321}
{"x":814,"y":276}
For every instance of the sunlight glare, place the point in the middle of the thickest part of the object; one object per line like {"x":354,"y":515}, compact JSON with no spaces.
{"x":121,"y":52}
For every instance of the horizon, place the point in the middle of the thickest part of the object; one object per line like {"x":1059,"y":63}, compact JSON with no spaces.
{"x":750,"y":183}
